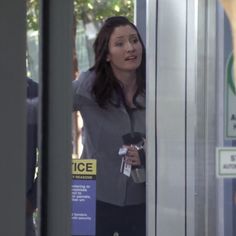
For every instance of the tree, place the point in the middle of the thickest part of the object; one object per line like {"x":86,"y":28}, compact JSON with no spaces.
{"x":85,"y":10}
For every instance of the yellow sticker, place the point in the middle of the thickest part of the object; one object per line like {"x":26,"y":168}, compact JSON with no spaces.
{"x":84,"y":167}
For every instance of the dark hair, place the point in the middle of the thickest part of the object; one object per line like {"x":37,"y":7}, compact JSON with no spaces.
{"x":105,"y":83}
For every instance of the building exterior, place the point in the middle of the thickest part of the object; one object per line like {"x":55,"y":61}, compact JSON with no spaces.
{"x":190,"y":118}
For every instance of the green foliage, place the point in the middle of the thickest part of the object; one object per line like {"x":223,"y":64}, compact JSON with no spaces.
{"x":32,"y":14}
{"x":97,"y":10}
{"x":85,"y":10}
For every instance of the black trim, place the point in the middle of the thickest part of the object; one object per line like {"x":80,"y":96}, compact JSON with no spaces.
{"x":156,"y":162}
{"x":44,"y":97}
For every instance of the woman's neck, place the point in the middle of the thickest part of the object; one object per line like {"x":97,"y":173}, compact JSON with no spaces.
{"x":128,"y":80}
{"x":129,"y":86}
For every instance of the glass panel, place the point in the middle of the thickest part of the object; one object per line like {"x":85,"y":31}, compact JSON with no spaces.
{"x":32,"y":117}
{"x":214,"y":135}
{"x":103,"y":126}
{"x":226,"y":128}
{"x":198,"y":36}
{"x":85,"y":30}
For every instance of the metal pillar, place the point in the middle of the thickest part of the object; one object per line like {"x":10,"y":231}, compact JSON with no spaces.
{"x":13,"y":117}
{"x":55,"y":116}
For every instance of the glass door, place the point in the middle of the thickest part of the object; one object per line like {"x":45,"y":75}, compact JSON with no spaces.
{"x":191,"y":187}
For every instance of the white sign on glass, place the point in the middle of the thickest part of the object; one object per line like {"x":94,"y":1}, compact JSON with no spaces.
{"x":226,"y":162}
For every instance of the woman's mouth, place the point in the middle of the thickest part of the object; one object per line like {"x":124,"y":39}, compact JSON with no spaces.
{"x":131,"y":58}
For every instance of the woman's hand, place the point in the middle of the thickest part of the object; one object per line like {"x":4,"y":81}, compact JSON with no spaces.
{"x":132,"y":156}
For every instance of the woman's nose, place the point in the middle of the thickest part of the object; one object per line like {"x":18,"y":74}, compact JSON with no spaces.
{"x":129,"y":46}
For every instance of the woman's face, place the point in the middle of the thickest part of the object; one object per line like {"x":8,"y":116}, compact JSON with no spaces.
{"x":125,"y":49}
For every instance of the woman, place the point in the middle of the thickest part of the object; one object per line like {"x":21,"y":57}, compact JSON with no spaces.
{"x":111,"y":99}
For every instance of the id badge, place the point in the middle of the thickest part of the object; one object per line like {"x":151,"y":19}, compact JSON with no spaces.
{"x":125,"y":168}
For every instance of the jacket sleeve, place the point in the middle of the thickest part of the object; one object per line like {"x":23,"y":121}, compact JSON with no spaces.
{"x":81,"y":89}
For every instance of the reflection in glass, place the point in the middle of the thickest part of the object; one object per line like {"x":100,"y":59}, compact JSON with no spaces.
{"x":31,"y":179}
{"x":113,"y":117}
{"x":32,"y":106}
{"x":87,"y":22}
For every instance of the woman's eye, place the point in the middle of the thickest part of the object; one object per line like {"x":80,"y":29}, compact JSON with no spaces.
{"x":135,"y":40}
{"x":119,"y":44}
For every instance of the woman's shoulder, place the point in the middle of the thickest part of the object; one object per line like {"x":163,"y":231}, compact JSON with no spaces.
{"x":141,"y":100}
{"x":83,"y":84}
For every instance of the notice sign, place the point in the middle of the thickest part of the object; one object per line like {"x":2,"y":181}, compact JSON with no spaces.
{"x":226,"y":162}
{"x":83,"y":197}
{"x":230,"y":98}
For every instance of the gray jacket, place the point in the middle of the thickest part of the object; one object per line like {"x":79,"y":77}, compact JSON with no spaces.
{"x":103,"y":131}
